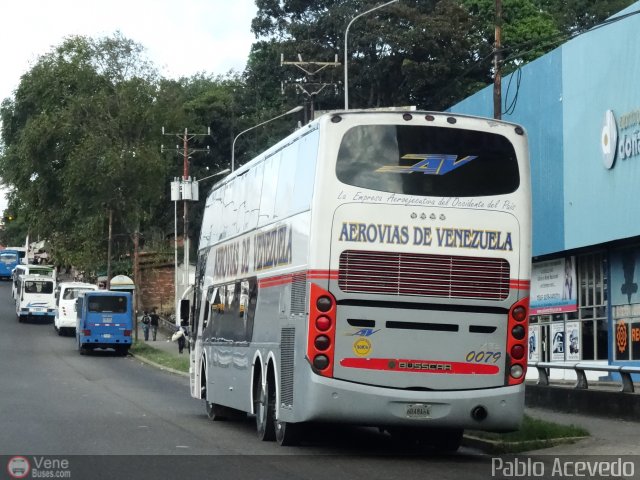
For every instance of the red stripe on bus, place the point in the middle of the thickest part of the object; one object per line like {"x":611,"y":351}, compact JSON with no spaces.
{"x":288,"y":278}
{"x":520,"y":284}
{"x":420,"y":366}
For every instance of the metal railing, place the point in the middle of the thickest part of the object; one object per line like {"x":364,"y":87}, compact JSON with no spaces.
{"x":580,"y":369}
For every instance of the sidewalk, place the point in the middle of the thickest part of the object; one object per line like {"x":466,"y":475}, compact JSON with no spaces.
{"x":163,"y":341}
{"x":608,"y":436}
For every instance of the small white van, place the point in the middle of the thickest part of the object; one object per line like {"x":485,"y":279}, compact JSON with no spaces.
{"x":66,"y":295}
{"x":22,"y":270}
{"x":35,"y":297}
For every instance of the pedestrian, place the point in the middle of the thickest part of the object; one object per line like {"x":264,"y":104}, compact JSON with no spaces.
{"x":154,"y":320}
{"x":180,"y":337}
{"x":146,"y":320}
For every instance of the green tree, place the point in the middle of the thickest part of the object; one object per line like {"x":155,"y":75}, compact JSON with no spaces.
{"x":78,"y":142}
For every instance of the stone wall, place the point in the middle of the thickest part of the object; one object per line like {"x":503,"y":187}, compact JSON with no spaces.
{"x":156,"y":283}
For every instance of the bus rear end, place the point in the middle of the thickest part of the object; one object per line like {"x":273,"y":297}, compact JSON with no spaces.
{"x":105,"y":320}
{"x":9,"y":260}
{"x":419,"y":294}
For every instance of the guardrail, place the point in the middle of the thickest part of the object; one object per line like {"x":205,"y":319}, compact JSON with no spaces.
{"x":624,"y":372}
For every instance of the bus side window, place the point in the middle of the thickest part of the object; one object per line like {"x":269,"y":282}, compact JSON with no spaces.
{"x":207,"y":307}
{"x":217,"y":310}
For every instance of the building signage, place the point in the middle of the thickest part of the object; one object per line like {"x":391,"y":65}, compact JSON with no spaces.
{"x":557,"y":342}
{"x":572,"y":337}
{"x":534,"y":343}
{"x":625,"y":277}
{"x":553,"y":287}
{"x":620,"y":140}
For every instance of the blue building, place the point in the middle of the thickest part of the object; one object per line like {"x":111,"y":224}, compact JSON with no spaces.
{"x":580,"y":105}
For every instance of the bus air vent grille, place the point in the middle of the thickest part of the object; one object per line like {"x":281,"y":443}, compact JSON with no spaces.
{"x":412,"y":274}
{"x":287,"y":338}
{"x":298,"y":293}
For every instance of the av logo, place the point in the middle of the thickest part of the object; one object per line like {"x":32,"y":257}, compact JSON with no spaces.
{"x":364,"y":332}
{"x":429,"y":164}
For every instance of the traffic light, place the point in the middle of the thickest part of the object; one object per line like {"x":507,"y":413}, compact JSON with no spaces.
{"x":9,"y":217}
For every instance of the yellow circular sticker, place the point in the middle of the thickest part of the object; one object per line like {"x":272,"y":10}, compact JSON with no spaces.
{"x":362,"y":347}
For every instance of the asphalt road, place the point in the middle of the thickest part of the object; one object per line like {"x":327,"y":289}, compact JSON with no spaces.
{"x":107,"y":413}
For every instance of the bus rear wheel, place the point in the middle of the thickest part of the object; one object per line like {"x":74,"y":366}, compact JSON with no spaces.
{"x":265,"y":409}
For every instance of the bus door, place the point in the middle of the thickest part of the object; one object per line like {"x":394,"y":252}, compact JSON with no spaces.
{"x":195,"y":360}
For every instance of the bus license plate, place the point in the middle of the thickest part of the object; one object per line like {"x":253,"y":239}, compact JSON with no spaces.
{"x":106,"y":335}
{"x":418,"y":410}
{"x":39,"y":309}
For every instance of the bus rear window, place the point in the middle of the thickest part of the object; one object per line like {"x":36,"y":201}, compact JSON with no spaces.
{"x":427,"y":161}
{"x":8,"y":258}
{"x":115,"y":304}
{"x":38,"y":287}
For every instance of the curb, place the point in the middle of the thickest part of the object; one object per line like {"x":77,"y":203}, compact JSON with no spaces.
{"x":157,"y":365}
{"x":500,"y":447}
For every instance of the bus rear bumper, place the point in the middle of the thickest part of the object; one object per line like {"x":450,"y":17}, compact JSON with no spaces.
{"x":492,"y":409}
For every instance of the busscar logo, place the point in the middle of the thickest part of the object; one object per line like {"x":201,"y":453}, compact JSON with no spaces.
{"x":424,"y":366}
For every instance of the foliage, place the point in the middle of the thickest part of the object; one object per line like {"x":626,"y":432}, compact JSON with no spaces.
{"x":81,"y":135}
{"x":77,"y":144}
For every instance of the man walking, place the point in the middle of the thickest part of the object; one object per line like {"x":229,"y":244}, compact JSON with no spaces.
{"x":146,"y":320}
{"x":154,"y":324}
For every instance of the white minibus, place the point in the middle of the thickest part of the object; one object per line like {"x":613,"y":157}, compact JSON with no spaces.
{"x":66,"y":295}
{"x":35,"y":297}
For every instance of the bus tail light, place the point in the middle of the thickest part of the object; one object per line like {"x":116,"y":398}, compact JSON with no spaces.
{"x":322,"y":330}
{"x":517,"y":339}
{"x":127,"y":333}
{"x":86,"y":333}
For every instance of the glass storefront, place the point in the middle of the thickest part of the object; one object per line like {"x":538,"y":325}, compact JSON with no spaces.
{"x":581,"y":334}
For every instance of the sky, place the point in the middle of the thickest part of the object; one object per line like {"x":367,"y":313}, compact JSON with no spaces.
{"x":182,"y":37}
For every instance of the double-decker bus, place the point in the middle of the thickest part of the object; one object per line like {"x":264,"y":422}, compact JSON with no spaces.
{"x":372,"y":268}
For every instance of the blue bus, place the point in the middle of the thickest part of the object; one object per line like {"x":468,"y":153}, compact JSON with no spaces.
{"x":9,"y":259}
{"x":104,"y":320}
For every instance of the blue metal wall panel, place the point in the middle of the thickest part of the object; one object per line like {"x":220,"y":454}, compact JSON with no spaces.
{"x":538,"y":108}
{"x":600,"y":72}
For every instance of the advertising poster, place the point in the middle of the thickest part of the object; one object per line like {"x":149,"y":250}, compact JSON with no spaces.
{"x":625,"y":276}
{"x":534,"y":343}
{"x":553,"y":287}
{"x":572,"y":330}
{"x":557,"y":342}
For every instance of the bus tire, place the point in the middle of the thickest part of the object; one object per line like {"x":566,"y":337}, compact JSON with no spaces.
{"x":288,"y":434}
{"x":266,"y":410}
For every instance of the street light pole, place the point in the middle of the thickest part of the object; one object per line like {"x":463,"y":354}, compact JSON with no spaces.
{"x":346,"y":35}
{"x":233,"y":145}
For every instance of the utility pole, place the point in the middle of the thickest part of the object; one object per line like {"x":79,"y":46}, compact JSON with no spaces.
{"x":310,"y":87}
{"x":187,"y":191}
{"x":497,"y":64}
{"x":136,"y":279}
{"x":109,"y":249}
